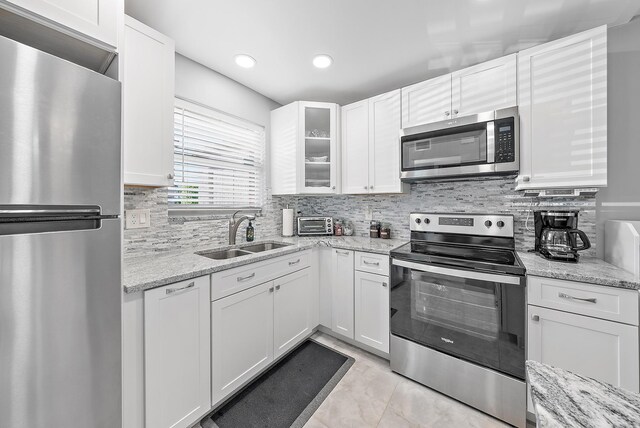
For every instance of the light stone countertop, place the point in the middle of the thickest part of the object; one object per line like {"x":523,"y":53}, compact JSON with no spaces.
{"x":158,"y":269}
{"x":590,"y":270}
{"x":564,"y":399}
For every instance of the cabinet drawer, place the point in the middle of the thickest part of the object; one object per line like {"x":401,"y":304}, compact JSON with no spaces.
{"x":614,"y":304}
{"x":373,"y":263}
{"x":241,"y":278}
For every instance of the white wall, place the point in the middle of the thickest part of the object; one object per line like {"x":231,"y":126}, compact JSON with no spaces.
{"x":621,"y":199}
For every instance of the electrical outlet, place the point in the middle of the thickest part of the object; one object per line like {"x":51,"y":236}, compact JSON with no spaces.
{"x":137,"y":219}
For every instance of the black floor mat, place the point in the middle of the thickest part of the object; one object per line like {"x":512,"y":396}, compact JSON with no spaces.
{"x":289,"y":392}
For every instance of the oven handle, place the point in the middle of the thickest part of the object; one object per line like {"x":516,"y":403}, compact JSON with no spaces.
{"x":503,"y":279}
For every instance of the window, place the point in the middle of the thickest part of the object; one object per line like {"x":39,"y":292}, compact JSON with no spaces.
{"x":218,"y":162}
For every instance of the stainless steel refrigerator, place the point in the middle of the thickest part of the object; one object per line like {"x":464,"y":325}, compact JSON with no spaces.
{"x":60,"y":244}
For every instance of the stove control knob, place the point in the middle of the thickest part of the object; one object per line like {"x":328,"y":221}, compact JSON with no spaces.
{"x":427,"y":221}
{"x":488,"y":223}
{"x":500,"y":223}
{"x":418,"y":221}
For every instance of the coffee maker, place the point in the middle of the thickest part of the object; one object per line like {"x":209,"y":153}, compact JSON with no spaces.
{"x":557,"y":235}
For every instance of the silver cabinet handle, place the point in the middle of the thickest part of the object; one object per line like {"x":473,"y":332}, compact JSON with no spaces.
{"x":455,"y":111}
{"x":569,"y":297}
{"x":245,"y":278}
{"x":270,"y":289}
{"x":294,"y":263}
{"x":371,"y":187}
{"x":526,"y":178}
{"x":371,"y":263}
{"x":535,"y":317}
{"x":384,"y":284}
{"x":169,"y":176}
{"x":344,"y":253}
{"x":365,"y":187}
{"x":447,"y":113}
{"x":173,"y":290}
{"x":333,"y":187}
{"x":277,"y":287}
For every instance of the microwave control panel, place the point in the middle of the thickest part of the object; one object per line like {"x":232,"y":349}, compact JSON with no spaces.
{"x":505,"y":140}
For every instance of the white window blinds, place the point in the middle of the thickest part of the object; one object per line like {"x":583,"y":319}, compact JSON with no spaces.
{"x":218,"y":160}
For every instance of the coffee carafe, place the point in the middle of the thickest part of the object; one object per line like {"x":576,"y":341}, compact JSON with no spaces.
{"x":557,"y":235}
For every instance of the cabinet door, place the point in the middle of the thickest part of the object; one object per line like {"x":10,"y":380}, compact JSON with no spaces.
{"x":241,"y":338}
{"x":603,"y":350}
{"x":342,"y":293}
{"x":318,"y":148}
{"x":562,"y":97}
{"x":177,"y":353}
{"x":91,"y":20}
{"x":384,"y":144}
{"x":425,"y":102}
{"x":372,"y":310}
{"x":355,"y":148}
{"x":283,"y":149}
{"x":292,"y":310}
{"x":148,"y":103}
{"x":485,"y":87}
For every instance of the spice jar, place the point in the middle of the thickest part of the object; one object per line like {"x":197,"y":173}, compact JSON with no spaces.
{"x":338,"y":228}
{"x":374,"y":229}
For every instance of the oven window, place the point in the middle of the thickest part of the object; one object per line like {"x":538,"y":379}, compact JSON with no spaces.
{"x":479,"y":321}
{"x":314,"y":225}
{"x":433,"y":150}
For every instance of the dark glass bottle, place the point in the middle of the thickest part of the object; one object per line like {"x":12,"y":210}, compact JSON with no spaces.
{"x":250,"y":234}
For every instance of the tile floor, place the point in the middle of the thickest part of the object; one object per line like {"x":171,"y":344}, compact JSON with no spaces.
{"x":370,"y":395}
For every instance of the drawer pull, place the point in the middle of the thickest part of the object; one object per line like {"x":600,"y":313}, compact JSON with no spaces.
{"x":569,"y":297}
{"x":277,"y":287}
{"x":535,"y":317}
{"x":246,"y":278}
{"x":344,"y":253}
{"x":294,"y":263}
{"x":370,"y":263}
{"x":173,"y":290}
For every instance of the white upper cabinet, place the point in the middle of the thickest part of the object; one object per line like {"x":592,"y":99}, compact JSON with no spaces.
{"x":147,"y":105}
{"x":304,"y":149}
{"x":177,"y":353}
{"x":562,"y":96}
{"x":428,"y":101}
{"x":370,"y":152}
{"x":355,"y":148}
{"x":484,"y":87}
{"x":95,"y":21}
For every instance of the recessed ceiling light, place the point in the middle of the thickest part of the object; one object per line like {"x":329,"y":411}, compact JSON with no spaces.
{"x":245,"y":61}
{"x":322,"y":61}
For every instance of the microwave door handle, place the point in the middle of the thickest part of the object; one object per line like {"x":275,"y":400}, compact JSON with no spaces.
{"x":491,"y":142}
{"x":480,"y":276}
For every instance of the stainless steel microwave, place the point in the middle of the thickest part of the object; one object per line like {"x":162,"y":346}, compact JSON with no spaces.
{"x":481,"y":144}
{"x":315,"y":226}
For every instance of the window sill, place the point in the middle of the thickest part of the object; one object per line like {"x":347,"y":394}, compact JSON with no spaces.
{"x":180,"y":215}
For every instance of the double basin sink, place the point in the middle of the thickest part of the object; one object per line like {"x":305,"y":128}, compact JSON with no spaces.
{"x":241,"y":251}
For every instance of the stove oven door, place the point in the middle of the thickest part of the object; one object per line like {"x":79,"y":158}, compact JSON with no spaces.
{"x":475,"y":316}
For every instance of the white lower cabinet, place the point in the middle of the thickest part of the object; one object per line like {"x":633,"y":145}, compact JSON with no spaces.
{"x":291,"y":311}
{"x":372,"y":310}
{"x":342,"y":293}
{"x":251,"y":328}
{"x":241,"y":337}
{"x":177,"y":353}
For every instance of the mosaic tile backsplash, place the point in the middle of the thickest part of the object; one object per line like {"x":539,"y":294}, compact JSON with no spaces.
{"x":471,"y":196}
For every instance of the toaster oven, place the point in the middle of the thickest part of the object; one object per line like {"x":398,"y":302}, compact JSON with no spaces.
{"x":315,"y":226}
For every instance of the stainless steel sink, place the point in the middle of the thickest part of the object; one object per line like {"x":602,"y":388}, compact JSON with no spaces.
{"x":243,"y":251}
{"x":224,"y":254}
{"x":265,"y":246}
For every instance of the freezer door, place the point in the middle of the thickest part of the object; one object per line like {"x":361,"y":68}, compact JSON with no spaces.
{"x":60,"y":339}
{"x":59,"y":131}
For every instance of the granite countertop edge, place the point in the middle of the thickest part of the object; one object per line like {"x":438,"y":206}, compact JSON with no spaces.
{"x":174,"y":266}
{"x":589,"y":270}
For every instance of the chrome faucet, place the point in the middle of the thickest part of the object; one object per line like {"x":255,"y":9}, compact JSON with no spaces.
{"x":235,"y":223}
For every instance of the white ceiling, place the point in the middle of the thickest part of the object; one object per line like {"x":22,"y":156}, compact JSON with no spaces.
{"x":377,"y":45}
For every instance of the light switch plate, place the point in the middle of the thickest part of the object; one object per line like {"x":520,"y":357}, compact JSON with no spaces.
{"x":137,"y":219}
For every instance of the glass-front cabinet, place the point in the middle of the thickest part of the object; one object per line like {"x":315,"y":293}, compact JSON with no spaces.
{"x":318,"y":125}
{"x":304,"y":149}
